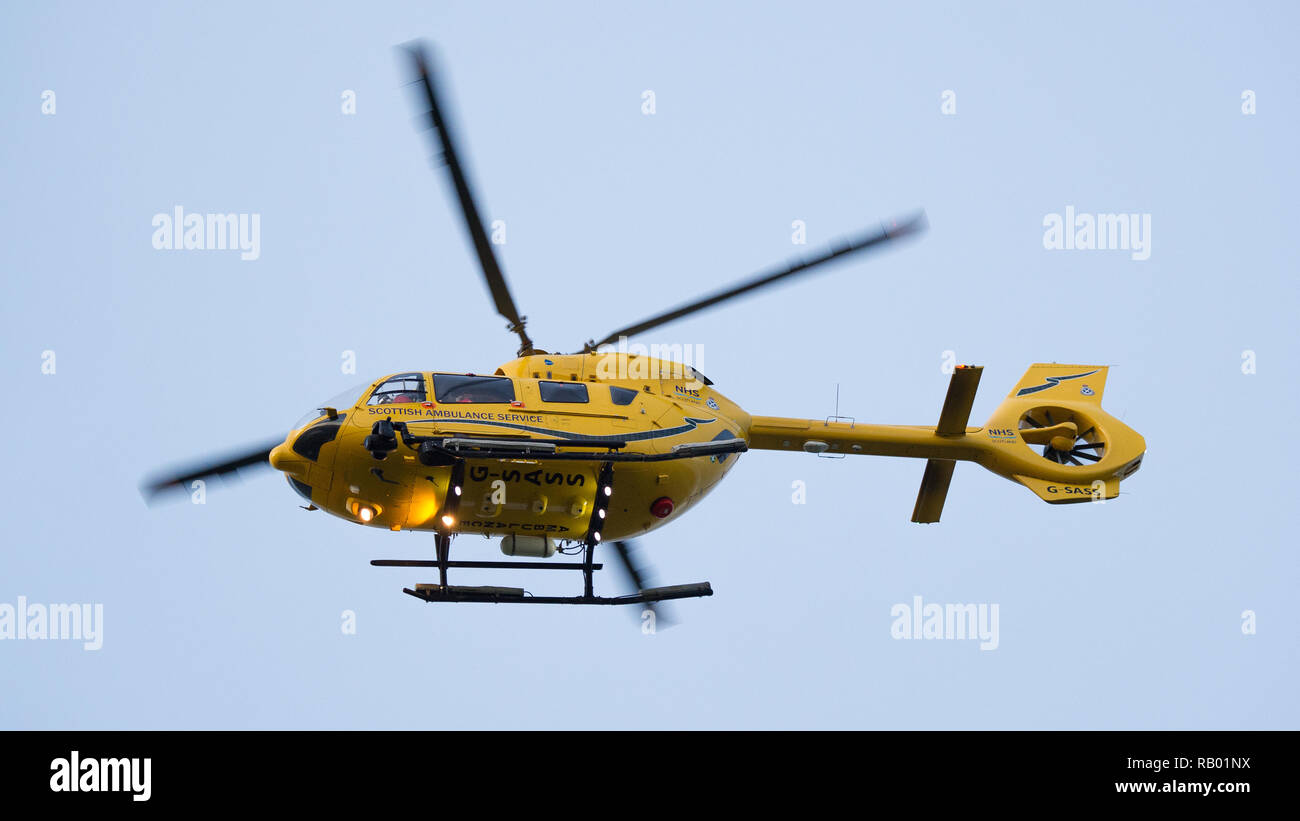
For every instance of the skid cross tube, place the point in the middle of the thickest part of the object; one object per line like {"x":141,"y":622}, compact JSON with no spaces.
{"x":443,"y":542}
{"x":588,"y":589}
{"x":484,"y":565}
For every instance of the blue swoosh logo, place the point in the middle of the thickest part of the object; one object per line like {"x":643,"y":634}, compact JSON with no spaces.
{"x":1052,"y":382}
{"x":638,"y":436}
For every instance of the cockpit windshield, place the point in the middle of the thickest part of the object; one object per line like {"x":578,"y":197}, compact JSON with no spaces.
{"x":341,"y":402}
{"x":399,"y":389}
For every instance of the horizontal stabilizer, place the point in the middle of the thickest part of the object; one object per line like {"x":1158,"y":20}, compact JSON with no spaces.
{"x":952,"y":422}
{"x":957,"y":404}
{"x":934,"y":490}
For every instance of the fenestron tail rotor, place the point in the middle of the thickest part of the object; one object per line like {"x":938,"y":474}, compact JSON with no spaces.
{"x":1067,"y":437}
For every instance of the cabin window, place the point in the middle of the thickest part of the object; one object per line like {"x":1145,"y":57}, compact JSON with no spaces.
{"x":400,"y":389}
{"x":450,"y":388}
{"x":621,"y":396}
{"x":562,"y":391}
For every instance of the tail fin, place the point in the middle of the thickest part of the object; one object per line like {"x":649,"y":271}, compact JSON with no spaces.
{"x":1083,"y":383}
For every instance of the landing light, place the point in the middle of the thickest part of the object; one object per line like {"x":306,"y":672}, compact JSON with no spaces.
{"x":448,"y":520}
{"x":365,"y":513}
{"x":609,"y":491}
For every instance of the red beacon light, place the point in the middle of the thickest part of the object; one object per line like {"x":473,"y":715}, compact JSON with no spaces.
{"x":661,"y":507}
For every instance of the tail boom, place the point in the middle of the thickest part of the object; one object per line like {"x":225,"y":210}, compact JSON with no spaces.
{"x":1085,"y":452}
{"x":915,"y":441}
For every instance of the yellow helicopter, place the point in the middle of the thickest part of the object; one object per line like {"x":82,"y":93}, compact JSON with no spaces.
{"x":559,"y":453}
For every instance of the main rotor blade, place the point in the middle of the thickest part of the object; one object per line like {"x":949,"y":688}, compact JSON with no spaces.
{"x":496,"y":280}
{"x":158,"y":485}
{"x":896,"y":229}
{"x":640,"y":577}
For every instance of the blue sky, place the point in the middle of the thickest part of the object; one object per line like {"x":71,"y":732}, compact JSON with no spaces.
{"x":228,"y":614}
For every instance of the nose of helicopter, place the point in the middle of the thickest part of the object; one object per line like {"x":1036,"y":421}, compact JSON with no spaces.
{"x":286,"y":461}
{"x":305,"y":456}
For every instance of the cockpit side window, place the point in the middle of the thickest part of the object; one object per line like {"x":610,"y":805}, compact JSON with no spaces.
{"x":450,"y":388}
{"x":400,"y":389}
{"x":562,"y":391}
{"x":621,"y":396}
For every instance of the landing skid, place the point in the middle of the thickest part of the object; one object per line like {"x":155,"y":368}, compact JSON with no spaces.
{"x":517,"y":595}
{"x":444,"y":592}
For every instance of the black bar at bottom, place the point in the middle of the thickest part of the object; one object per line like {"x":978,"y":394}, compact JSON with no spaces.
{"x":232,"y":769}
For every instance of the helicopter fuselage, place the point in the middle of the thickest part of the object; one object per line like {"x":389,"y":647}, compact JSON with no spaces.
{"x":629,"y":405}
